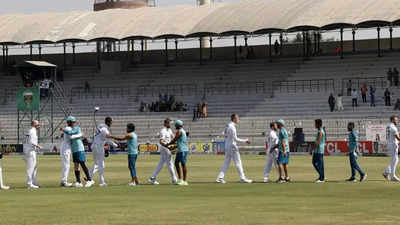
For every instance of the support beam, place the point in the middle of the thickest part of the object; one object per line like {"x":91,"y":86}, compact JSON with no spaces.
{"x":73,"y":54}
{"x":341,"y":43}
{"x":354,"y":40}
{"x":391,"y":38}
{"x":246,"y":41}
{"x":319,"y":42}
{"x":270,"y":46}
{"x":4,"y":55}
{"x":98,"y":53}
{"x":304,"y":44}
{"x":201,"y":51}
{"x":40,"y":52}
{"x":31,"y":52}
{"x":176,"y":49}
{"x":166,"y":52}
{"x":142,"y":51}
{"x":132,"y":51}
{"x":211,"y":48}
{"x":7,"y":55}
{"x":235,"y":51}
{"x":281,"y":41}
{"x":378,"y":29}
{"x":65,"y":54}
{"x":315,"y":42}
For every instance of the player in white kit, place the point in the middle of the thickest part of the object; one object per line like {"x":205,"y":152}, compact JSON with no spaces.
{"x":166,"y":136}
{"x":272,"y":141}
{"x":393,"y":138}
{"x":101,"y":137}
{"x":65,"y":154}
{"x":2,"y":186}
{"x":232,"y":151}
{"x":30,"y":147}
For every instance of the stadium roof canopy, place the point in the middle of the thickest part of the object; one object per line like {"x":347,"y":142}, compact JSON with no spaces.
{"x":247,"y":16}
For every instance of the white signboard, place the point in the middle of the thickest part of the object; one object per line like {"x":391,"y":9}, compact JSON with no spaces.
{"x":376,"y":132}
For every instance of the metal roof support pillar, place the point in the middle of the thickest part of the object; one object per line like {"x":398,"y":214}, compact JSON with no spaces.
{"x":30,"y":52}
{"x":176,"y":49}
{"x":132,"y":55}
{"x":391,"y":38}
{"x":211,"y":48}
{"x":40,"y":52}
{"x":270,"y":46}
{"x":4,"y":55}
{"x":201,"y":51}
{"x":98,"y":54}
{"x":354,"y":40}
{"x":73,"y":54}
{"x":281,"y":41}
{"x":319,"y":42}
{"x":246,"y":41}
{"x":142,"y":51}
{"x":166,"y":52}
{"x":315,"y":42}
{"x":6,"y":59}
{"x":65,"y":54}
{"x":378,"y":29}
{"x":304,"y":44}
{"x":235,"y":45}
{"x":341,"y":43}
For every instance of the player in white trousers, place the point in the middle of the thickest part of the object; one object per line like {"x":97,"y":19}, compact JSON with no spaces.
{"x":30,"y":147}
{"x":166,"y":136}
{"x":232,"y":151}
{"x":101,"y":137}
{"x":65,"y":154}
{"x":2,"y":186}
{"x":393,"y":138}
{"x":272,"y":141}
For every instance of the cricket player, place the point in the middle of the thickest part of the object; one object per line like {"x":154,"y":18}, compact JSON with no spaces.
{"x":101,"y":137}
{"x":132,"y":143}
{"x":30,"y":146}
{"x":271,"y":141}
{"x":2,"y":186}
{"x":65,"y":154}
{"x":284,"y":152}
{"x":232,"y":151}
{"x":78,"y":153}
{"x":318,"y":151}
{"x":393,"y":138}
{"x":353,"y":154}
{"x":166,"y":136}
{"x":183,"y":150}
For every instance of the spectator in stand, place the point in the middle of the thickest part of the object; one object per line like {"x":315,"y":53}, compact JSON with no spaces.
{"x":364,"y":93}
{"x":395,"y":77}
{"x":198,"y":110}
{"x":387,"y":97}
{"x":372,"y":95}
{"x":349,"y":86}
{"x":354,"y":96}
{"x":204,"y":109}
{"x":87,"y":87}
{"x":390,"y":77}
{"x":339,"y":103}
{"x":276,"y":47}
{"x":331,"y":102}
{"x":397,"y":105}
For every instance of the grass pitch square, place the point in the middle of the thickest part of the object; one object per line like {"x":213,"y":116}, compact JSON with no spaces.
{"x":203,"y":202}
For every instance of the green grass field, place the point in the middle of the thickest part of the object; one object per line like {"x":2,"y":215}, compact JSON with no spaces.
{"x":204,"y":201}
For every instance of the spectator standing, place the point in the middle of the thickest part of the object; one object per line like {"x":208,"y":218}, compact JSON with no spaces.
{"x":349,"y":86}
{"x":390,"y":77}
{"x":372,"y":95}
{"x":87,"y":87}
{"x":387,"y":97}
{"x":395,"y":77}
{"x":339,"y":103}
{"x":354,"y":96}
{"x":364,"y":93}
{"x":331,"y":102}
{"x":397,"y":105}
{"x":276,"y":47}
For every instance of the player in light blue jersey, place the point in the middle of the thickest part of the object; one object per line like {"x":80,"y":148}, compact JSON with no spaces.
{"x":318,"y":151}
{"x":353,"y":154}
{"x":284,"y":152}
{"x":183,"y":151}
{"x":132,"y":142}
{"x":78,"y":152}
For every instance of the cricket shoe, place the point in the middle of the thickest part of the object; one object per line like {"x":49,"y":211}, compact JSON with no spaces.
{"x":319,"y":181}
{"x":77,"y":185}
{"x":266,"y":180}
{"x":66,"y":184}
{"x":351,"y":180}
{"x":363,"y":178}
{"x":288,"y":180}
{"x":281,"y":180}
{"x":32,"y":186}
{"x":103,"y":185}
{"x":395,"y":179}
{"x":185,"y":183}
{"x":4,"y":188}
{"x":131,"y":184}
{"x":89,"y":183}
{"x":245,"y":180}
{"x":180,"y":182}
{"x":221,"y":181}
{"x":153,"y":181}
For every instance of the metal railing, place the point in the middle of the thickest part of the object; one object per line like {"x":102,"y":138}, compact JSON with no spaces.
{"x":358,"y":82}
{"x":100,"y":92}
{"x":295,"y":86}
{"x":169,"y":89}
{"x":222,"y":88}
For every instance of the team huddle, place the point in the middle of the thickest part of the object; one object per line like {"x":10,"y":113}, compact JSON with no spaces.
{"x":277,"y":142}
